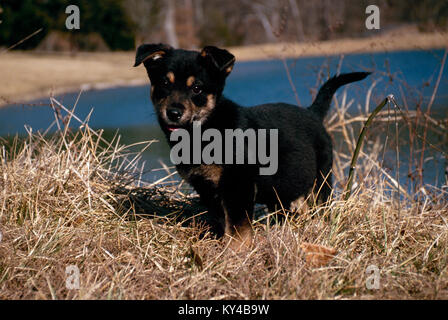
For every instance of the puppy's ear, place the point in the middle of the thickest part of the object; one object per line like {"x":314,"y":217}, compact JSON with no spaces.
{"x":147,"y":53}
{"x":220,"y":59}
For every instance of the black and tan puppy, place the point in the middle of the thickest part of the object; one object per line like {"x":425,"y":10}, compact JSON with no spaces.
{"x":186,"y":86}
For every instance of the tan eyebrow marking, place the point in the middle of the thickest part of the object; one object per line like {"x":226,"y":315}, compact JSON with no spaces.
{"x":170,"y":76}
{"x":190,"y":81}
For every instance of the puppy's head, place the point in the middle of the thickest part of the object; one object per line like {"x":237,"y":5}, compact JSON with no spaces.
{"x":185,"y":85}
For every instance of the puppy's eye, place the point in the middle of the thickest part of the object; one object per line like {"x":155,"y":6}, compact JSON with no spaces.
{"x":165,"y":82}
{"x":196,"y":89}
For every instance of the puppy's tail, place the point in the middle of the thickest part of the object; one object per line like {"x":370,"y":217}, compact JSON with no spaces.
{"x":321,"y":104}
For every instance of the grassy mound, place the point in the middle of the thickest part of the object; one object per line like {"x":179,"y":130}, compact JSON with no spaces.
{"x":74,"y":201}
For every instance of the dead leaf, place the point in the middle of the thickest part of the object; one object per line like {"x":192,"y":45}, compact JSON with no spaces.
{"x":196,"y":258}
{"x":317,"y":255}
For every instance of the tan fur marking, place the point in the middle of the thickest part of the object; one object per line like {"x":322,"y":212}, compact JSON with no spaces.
{"x":210,"y":101}
{"x":208,"y":106}
{"x":240,"y":237}
{"x":229,"y":69}
{"x":211,"y":172}
{"x":299,"y":204}
{"x":203,"y":53}
{"x":155,"y":55}
{"x":190,"y":81}
{"x":203,"y":112}
{"x":170,"y":76}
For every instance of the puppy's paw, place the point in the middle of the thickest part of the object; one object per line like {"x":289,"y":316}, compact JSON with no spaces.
{"x":241,"y":240}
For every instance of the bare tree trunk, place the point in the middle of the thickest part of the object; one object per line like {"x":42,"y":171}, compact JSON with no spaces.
{"x":139,"y":11}
{"x":297,"y":19}
{"x":264,"y":22}
{"x":199,"y":11}
{"x":190,"y":25}
{"x":170,"y":24}
{"x":327,"y":21}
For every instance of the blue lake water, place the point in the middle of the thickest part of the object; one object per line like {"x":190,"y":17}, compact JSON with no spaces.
{"x":129,"y":110}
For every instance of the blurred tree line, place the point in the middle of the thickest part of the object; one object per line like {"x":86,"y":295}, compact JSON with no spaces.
{"x":103,"y":21}
{"x":122,"y":24}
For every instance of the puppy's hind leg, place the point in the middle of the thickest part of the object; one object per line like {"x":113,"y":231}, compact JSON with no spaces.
{"x":324,"y":184}
{"x":324,"y":179}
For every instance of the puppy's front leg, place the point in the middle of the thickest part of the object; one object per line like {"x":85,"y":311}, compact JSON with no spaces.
{"x":238,"y":200}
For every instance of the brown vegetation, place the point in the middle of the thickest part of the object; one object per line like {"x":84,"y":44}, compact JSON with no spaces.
{"x":76,"y":200}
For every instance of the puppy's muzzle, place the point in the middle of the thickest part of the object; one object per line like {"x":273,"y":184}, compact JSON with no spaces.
{"x":175,"y":111}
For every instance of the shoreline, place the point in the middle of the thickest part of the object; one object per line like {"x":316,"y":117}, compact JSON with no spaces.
{"x":390,"y":42}
{"x":27,"y":98}
{"x":34,"y":75}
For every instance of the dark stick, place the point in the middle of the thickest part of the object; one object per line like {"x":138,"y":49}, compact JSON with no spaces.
{"x":348,"y":189}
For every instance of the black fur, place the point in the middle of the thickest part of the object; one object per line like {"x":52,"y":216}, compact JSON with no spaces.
{"x":321,"y":104}
{"x":230,"y":191}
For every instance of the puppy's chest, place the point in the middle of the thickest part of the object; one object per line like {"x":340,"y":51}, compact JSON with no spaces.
{"x":210,"y":173}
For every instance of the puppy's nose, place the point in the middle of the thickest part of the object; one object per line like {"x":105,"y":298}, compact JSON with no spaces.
{"x":175,"y":112}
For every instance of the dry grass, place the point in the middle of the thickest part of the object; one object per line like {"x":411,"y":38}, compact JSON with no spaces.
{"x":74,"y":199}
